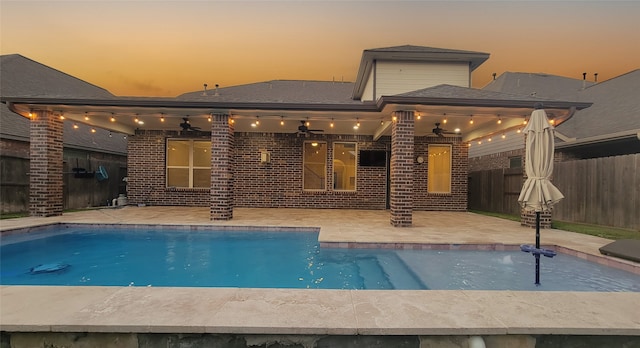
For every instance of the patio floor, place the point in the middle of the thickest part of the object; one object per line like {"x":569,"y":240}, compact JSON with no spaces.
{"x":312,"y":312}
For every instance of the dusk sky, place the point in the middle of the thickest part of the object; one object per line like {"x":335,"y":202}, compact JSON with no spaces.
{"x":166,"y":48}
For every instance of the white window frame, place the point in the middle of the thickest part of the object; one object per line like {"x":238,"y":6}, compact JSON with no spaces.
{"x":190,"y":167}
{"x":355,"y":165}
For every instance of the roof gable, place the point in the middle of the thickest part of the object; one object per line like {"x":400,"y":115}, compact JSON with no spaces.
{"x":415,"y":54}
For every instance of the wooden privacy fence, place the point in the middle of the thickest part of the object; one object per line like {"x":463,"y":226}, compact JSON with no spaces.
{"x":495,"y":190}
{"x":601,"y":191}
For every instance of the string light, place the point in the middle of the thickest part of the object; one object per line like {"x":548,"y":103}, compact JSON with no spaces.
{"x":93,"y":130}
{"x":86,"y":117}
{"x":499,"y":120}
{"x":471,"y":119}
{"x":444,"y":120}
{"x":112,"y":119}
{"x":62,"y":117}
{"x":209,"y":118}
{"x":281,"y":121}
{"x":331,"y":124}
{"x":504,"y":136}
{"x":75,"y":126}
{"x":257,"y":120}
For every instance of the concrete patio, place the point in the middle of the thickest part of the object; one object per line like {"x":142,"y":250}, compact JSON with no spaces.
{"x":502,"y":318}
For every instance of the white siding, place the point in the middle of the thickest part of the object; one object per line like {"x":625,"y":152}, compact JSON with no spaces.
{"x":368,"y":88}
{"x":401,"y":77}
{"x":513,"y":141}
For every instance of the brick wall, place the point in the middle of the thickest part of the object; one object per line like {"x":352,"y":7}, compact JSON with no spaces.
{"x":14,"y":148}
{"x":493,"y":161}
{"x":457,"y":199}
{"x":147,"y":172}
{"x":278,"y":184}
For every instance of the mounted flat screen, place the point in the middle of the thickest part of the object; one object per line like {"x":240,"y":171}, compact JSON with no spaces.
{"x":372,"y":158}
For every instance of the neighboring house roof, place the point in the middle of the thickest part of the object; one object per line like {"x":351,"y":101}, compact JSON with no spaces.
{"x":611,"y":126}
{"x":24,"y":77}
{"x":412,"y":53}
{"x":278,"y":91}
{"x":21,"y":76}
{"x":616,"y":108}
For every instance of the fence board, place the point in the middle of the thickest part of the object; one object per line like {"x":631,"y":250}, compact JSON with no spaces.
{"x":603,"y":191}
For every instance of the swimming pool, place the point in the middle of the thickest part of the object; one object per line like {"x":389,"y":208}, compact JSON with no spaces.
{"x":186,"y":258}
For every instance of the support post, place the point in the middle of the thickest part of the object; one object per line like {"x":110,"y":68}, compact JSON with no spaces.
{"x":402,"y":148}
{"x":45,"y":164}
{"x":221,"y":168}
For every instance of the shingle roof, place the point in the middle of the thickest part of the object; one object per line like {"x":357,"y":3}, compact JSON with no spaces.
{"x":450,"y":91}
{"x":23,"y":77}
{"x":538,"y":84}
{"x":616,"y":108}
{"x":279,"y":91}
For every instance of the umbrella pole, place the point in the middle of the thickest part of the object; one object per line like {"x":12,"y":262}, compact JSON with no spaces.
{"x":537,"y":255}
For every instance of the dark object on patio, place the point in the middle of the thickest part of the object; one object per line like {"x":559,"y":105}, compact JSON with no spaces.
{"x":628,"y":249}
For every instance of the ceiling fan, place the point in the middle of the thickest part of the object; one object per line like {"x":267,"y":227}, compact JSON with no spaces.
{"x":186,"y":126}
{"x":303,"y":129}
{"x":441,"y":132}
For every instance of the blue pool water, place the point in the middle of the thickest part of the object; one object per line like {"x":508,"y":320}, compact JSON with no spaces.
{"x":280,"y":260}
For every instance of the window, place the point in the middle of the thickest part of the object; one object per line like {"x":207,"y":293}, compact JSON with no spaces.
{"x":344,"y":166}
{"x":188,"y":163}
{"x":515,"y":162}
{"x":314,"y":165}
{"x":439,"y":169}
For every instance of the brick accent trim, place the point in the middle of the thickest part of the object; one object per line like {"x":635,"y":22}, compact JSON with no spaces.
{"x":222,"y":140}
{"x":45,"y":179}
{"x":402,"y":148}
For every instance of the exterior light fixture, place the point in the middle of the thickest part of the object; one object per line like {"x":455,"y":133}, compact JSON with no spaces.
{"x":281,"y":121}
{"x":504,"y":136}
{"x":457,"y":130}
{"x":161,"y":118}
{"x":331,"y":124}
{"x":479,"y":142}
{"x":93,"y":130}
{"x":418,"y":116}
{"x":499,"y":120}
{"x":140,"y":122}
{"x":62,"y":117}
{"x":257,"y":120}
{"x":86,"y":117}
{"x":112,"y":119}
{"x":75,"y":126}
{"x":307,"y":124}
{"x":110,"y":135}
{"x":489,"y":139}
{"x":314,"y":144}
{"x":444,"y":120}
{"x":519,"y":131}
{"x":209,"y":118}
{"x":471,"y":119}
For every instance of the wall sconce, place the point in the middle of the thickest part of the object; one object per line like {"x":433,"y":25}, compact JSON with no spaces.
{"x":265,"y":157}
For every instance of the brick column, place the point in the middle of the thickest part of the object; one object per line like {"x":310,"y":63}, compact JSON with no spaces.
{"x":528,"y":217}
{"x":221,"y":168}
{"x":402,"y":139}
{"x":45,"y":172}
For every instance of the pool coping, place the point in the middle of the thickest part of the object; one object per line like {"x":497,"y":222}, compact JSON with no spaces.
{"x":315,"y":312}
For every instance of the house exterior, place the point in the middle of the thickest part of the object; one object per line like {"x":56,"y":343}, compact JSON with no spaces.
{"x":397,"y":138}
{"x":81,"y":148}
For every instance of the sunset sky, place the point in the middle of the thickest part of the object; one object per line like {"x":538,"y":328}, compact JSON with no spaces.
{"x":166,"y":48}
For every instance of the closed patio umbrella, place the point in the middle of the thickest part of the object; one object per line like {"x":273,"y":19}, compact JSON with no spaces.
{"x":538,"y":193}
